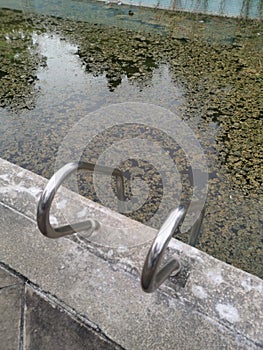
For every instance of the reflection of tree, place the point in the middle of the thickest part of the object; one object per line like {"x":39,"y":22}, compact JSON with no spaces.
{"x":192,"y":5}
{"x":260,"y":9}
{"x":18,"y":61}
{"x":176,"y":5}
{"x":117,"y":55}
{"x":222,"y":7}
{"x":246,"y":6}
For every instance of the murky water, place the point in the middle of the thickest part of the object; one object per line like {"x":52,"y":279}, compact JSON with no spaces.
{"x":207,"y":70}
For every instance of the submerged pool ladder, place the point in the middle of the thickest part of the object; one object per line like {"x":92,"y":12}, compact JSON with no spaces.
{"x":152,"y":274}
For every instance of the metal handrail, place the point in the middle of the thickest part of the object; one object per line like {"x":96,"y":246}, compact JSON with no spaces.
{"x":151,"y":279}
{"x":152,"y":276}
{"x":44,"y":204}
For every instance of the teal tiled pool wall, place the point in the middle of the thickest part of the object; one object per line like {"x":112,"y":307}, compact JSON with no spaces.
{"x":73,"y":8}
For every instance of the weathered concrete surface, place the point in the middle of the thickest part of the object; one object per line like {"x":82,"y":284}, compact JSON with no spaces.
{"x":7,"y":279}
{"x":210,"y":306}
{"x":48,"y":327}
{"x":10,"y":311}
{"x":29,"y":321}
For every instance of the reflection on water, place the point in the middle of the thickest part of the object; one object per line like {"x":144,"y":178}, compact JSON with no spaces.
{"x":64,"y":79}
{"x":244,"y":8}
{"x":212,"y":82}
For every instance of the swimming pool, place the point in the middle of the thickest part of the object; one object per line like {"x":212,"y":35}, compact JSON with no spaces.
{"x":207,"y":70}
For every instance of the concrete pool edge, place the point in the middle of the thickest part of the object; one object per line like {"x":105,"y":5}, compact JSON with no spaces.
{"x":212,"y":305}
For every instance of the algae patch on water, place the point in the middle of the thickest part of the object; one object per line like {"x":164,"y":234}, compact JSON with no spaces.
{"x":19,"y":61}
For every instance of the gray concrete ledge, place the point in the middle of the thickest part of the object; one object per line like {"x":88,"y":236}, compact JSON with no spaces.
{"x":210,"y":305}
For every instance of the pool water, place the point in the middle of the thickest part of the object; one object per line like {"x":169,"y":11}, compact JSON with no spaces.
{"x":207,"y":70}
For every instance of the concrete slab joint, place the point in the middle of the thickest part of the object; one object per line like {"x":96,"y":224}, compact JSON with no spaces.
{"x":91,"y":283}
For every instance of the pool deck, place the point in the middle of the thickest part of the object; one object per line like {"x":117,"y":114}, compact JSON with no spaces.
{"x":85,"y":293}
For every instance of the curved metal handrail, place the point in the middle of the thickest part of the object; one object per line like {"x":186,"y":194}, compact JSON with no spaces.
{"x":44,"y":204}
{"x":152,"y":277}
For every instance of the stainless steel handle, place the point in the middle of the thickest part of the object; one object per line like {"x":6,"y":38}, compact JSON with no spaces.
{"x":152,"y":275}
{"x":44,"y":204}
{"x":151,"y":279}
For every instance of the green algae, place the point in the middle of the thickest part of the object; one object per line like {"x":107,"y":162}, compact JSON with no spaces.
{"x":19,"y":61}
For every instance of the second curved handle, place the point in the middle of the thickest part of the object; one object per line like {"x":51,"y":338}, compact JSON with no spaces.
{"x":152,"y":275}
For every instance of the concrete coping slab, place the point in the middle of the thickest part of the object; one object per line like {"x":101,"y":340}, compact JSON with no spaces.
{"x":209,"y":305}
